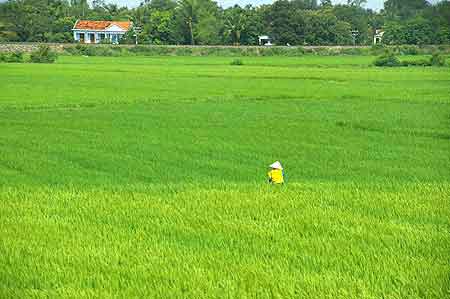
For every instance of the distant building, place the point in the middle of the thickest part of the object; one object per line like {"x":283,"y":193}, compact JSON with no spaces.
{"x":264,"y":40}
{"x":378,"y":36}
{"x":94,"y":32}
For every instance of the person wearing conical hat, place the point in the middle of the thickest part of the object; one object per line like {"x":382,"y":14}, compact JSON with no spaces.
{"x":276,"y":175}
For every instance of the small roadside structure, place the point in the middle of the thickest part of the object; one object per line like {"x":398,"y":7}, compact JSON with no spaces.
{"x":265,"y":40}
{"x":94,"y":32}
{"x":378,"y":36}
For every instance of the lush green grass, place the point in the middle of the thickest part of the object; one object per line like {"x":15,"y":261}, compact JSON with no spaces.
{"x":137,"y":176}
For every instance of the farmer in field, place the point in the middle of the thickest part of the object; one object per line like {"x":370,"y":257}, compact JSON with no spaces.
{"x":276,"y":175}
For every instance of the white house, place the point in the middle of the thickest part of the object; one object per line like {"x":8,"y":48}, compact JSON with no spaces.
{"x":264,"y":40}
{"x":94,"y":32}
{"x":378,"y":36}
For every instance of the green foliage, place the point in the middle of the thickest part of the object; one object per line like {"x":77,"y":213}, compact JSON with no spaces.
{"x":80,"y":49}
{"x":128,"y":38}
{"x":416,"y":62}
{"x":199,"y":22}
{"x":96,"y":50}
{"x":160,"y":29}
{"x":203,"y":22}
{"x":236,"y":22}
{"x":146,"y":50}
{"x":280,"y":17}
{"x":354,"y":51}
{"x":391,"y":60}
{"x":415,"y":31}
{"x":208,"y":30}
{"x":387,"y":60}
{"x":43,"y":55}
{"x":438,"y":60}
{"x":237,"y":62}
{"x":14,"y":57}
{"x":357,"y":19}
{"x":378,"y":49}
{"x":404,"y":8}
{"x":407,"y":50}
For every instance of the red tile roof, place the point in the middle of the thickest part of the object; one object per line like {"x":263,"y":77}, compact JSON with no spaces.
{"x":101,"y":25}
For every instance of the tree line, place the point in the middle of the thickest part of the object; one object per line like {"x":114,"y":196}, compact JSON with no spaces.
{"x":204,"y":22}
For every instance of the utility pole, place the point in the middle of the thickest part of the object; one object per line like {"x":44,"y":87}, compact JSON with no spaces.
{"x":137,"y":30}
{"x":355,"y":34}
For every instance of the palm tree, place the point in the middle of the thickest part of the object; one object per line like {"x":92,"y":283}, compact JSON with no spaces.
{"x":235,"y":23}
{"x":189,"y":10}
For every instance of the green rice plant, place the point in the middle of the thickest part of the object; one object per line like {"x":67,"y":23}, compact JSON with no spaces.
{"x":188,"y":240}
{"x":145,"y":176}
{"x":237,"y":62}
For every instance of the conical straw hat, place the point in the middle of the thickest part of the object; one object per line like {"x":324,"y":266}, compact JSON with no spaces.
{"x":276,"y":165}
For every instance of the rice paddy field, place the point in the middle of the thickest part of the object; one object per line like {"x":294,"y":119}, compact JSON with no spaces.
{"x":146,"y":177}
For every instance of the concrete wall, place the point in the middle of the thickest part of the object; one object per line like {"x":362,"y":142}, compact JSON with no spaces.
{"x":197,"y":50}
{"x":59,"y":47}
{"x":29,"y":47}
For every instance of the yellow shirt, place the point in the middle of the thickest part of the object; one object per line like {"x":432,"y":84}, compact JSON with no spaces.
{"x":276,"y":176}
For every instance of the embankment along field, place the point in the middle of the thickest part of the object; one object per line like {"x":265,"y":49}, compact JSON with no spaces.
{"x":146,"y":177}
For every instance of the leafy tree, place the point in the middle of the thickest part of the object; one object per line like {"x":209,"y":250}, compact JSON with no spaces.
{"x":357,"y":3}
{"x":199,"y":19}
{"x":235,"y":22}
{"x":128,"y":38}
{"x":318,"y":26}
{"x":326,"y":3}
{"x":394,"y":33}
{"x":443,"y":35}
{"x":209,"y":29}
{"x":203,"y":22}
{"x":162,"y":5}
{"x":160,"y":26}
{"x":30,"y":19}
{"x":79,"y":8}
{"x":189,"y":11}
{"x":404,"y":8}
{"x":342,"y":32}
{"x":358,"y":18}
{"x":305,"y":4}
{"x":98,"y":4}
{"x":254,"y":25}
{"x":282,"y":22}
{"x":417,"y":31}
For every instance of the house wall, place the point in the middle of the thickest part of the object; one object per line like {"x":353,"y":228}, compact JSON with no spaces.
{"x":112,"y":36}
